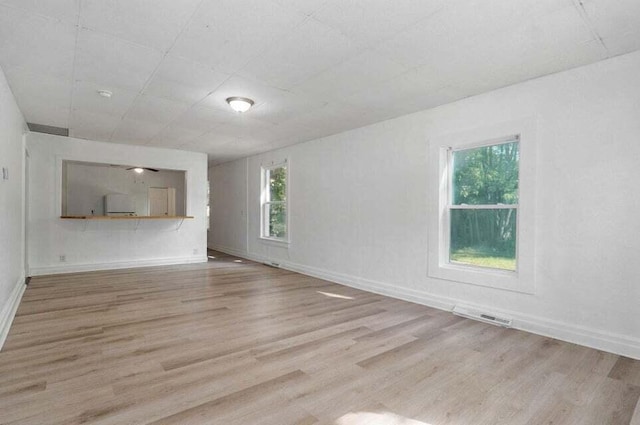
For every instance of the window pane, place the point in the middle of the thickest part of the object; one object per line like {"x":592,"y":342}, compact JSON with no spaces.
{"x":276,"y":220}
{"x":484,"y":238}
{"x":487,"y":175}
{"x":277,"y":184}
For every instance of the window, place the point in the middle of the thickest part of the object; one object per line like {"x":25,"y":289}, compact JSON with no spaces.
{"x":274,"y":203}
{"x":482,"y":219}
{"x":483,"y":205}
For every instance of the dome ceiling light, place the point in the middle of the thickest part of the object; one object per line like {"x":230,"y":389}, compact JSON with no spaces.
{"x":240,"y":104}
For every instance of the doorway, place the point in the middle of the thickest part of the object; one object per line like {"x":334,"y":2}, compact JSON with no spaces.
{"x":162,"y":201}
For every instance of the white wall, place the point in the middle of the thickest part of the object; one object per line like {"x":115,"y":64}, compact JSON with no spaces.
{"x":359,"y":209}
{"x":92,"y":245}
{"x":12,"y":127}
{"x":228,"y":205}
{"x":88,"y":184}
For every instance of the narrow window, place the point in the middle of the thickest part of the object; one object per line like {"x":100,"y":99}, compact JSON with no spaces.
{"x":274,"y":206}
{"x":482,"y":207}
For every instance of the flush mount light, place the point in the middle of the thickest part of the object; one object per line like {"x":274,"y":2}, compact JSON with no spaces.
{"x":105,"y":93}
{"x":138,"y":170}
{"x":240,"y":104}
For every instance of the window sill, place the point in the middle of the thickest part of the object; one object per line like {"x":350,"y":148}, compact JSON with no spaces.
{"x":491,"y":278}
{"x":275,"y":242}
{"x":480,"y":269}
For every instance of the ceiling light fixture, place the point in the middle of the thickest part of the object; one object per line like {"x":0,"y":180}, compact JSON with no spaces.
{"x":105,"y":93}
{"x":240,"y":104}
{"x":138,"y":170}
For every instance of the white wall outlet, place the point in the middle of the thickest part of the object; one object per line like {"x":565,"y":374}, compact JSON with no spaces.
{"x":195,"y":251}
{"x":63,"y":258}
{"x":5,"y":173}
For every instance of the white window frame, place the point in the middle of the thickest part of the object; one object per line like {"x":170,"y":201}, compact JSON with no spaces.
{"x":208,"y":211}
{"x":265,"y":202}
{"x":440,"y":161}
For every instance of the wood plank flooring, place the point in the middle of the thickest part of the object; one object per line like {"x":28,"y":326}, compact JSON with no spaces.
{"x":235,"y":342}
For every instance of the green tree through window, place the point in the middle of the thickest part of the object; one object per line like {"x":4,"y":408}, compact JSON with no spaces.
{"x":484,"y":203}
{"x":274,"y":206}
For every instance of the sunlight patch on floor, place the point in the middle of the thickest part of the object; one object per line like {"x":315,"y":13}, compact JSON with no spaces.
{"x":369,"y":418}
{"x":332,"y":295}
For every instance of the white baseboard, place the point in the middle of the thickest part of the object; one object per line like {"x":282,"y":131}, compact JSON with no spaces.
{"x":610,"y":342}
{"x":73,"y":268}
{"x":9,"y":309}
{"x":233,"y":251}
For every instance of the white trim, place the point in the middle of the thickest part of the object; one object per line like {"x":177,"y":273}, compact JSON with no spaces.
{"x":73,"y":268}
{"x":275,"y":242}
{"x":439,"y":267}
{"x":593,"y":338}
{"x":503,"y":140}
{"x":237,"y":253}
{"x":9,"y":309}
{"x":483,"y":207}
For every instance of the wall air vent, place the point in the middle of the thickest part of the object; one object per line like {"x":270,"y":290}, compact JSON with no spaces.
{"x":472,"y":313}
{"x":48,"y":129}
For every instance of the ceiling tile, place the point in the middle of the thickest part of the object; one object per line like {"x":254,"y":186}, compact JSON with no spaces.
{"x":618,"y":26}
{"x":226,"y":34}
{"x":375,"y":20}
{"x":183,"y":80}
{"x":401,"y":94}
{"x":43,"y":87}
{"x":271,"y":104}
{"x":136,"y":132}
{"x":65,"y":10}
{"x":461,"y":24}
{"x":235,"y":149}
{"x":279,"y":109}
{"x":306,"y":7}
{"x":623,"y":43}
{"x":202,"y":118}
{"x":36,"y":43}
{"x":156,"y":109}
{"x":211,"y":139}
{"x":351,"y":76}
{"x":39,"y":95}
{"x":87,"y":99}
{"x":311,"y":49}
{"x":114,"y":63}
{"x":154,"y":23}
{"x":613,"y":20}
{"x":330,"y":119}
{"x":246,"y":128}
{"x":550,"y":43}
{"x":40,"y":111}
{"x":174,"y":137}
{"x":92,"y":126}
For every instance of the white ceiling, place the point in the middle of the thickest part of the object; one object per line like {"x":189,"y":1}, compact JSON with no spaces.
{"x":313,"y":67}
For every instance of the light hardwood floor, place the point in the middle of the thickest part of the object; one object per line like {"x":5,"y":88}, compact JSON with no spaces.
{"x":234,"y":342}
